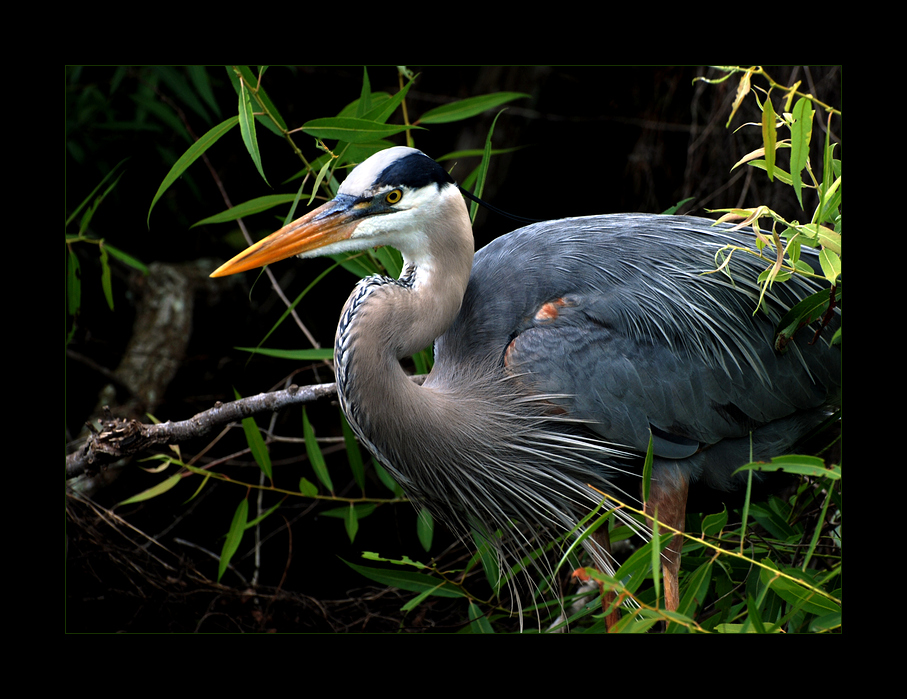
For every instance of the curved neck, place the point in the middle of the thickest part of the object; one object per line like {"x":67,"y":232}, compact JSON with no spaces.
{"x":386,"y":320}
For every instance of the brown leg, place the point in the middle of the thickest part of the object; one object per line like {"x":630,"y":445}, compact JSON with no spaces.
{"x":602,"y":538}
{"x":668,"y":501}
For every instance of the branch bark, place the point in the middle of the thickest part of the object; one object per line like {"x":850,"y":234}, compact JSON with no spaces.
{"x":119,"y":438}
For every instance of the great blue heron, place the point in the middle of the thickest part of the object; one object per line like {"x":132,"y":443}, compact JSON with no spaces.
{"x":559,"y":349}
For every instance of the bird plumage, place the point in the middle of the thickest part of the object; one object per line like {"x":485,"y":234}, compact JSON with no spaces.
{"x":559,"y":349}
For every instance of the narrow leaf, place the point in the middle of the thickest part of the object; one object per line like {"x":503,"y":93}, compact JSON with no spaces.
{"x":234,"y":537}
{"x":89,"y":198}
{"x":351,"y":130}
{"x":478,"y":622}
{"x":276,"y":124}
{"x":247,"y":128}
{"x":407,"y":580}
{"x":769,"y":137}
{"x":795,"y":594}
{"x":353,"y":455}
{"x":126,"y":258}
{"x":195,"y":151}
{"x":797,"y":464}
{"x":351,"y":522}
{"x":316,"y":458}
{"x":248,"y":208}
{"x":154,"y":491}
{"x":425,"y":528}
{"x":106,"y":283}
{"x":469,"y":107}
{"x":257,"y":445}
{"x":305,"y":355}
{"x":647,"y":469}
{"x":801,"y":131}
{"x":807,"y":311}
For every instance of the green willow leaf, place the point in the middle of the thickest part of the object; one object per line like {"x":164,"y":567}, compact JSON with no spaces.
{"x":195,"y":151}
{"x":353,"y":455}
{"x":425,"y":528}
{"x":154,"y":491}
{"x":801,"y":132}
{"x":248,"y":208}
{"x":90,"y":197}
{"x":809,"y":310}
{"x":126,"y":258}
{"x":278,"y":128}
{"x":469,"y":107}
{"x":769,"y":137}
{"x":247,"y":128}
{"x":795,"y":594}
{"x":831,"y":265}
{"x":106,"y":283}
{"x":350,"y":129}
{"x":478,"y":622}
{"x":307,"y":488}
{"x":798,"y":464}
{"x":316,"y":458}
{"x":305,"y":355}
{"x":257,"y":446}
{"x":234,"y":537}
{"x":351,"y":522}
{"x":406,"y":580}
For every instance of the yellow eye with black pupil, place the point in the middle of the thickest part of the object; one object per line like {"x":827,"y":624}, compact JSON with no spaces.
{"x":393,"y":196}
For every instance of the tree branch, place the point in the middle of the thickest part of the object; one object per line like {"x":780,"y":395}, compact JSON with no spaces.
{"x":119,"y":438}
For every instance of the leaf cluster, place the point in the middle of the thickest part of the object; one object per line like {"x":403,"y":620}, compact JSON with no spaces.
{"x":782,"y":240}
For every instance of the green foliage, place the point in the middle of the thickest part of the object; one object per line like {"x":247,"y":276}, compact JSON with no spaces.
{"x":823,"y":229}
{"x":73,"y":284}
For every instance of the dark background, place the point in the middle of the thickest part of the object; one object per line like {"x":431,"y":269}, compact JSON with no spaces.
{"x":589,"y":140}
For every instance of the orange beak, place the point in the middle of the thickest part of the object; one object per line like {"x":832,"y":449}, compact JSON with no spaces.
{"x":329,"y":223}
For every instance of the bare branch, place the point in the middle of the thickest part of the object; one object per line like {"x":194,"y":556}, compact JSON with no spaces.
{"x":119,"y":438}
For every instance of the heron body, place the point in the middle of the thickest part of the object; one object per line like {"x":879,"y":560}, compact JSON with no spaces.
{"x":559,"y":349}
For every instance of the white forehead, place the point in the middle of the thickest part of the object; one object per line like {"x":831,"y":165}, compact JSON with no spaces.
{"x":365,"y":173}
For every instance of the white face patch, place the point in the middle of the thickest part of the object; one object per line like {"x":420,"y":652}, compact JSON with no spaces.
{"x":364,"y":175}
{"x":406,"y":225}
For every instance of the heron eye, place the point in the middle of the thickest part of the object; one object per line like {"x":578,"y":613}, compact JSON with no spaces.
{"x":393,"y":196}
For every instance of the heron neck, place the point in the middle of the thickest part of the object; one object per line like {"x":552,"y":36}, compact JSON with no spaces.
{"x":386,"y":320}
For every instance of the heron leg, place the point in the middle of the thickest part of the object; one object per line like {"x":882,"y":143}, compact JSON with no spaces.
{"x":603,"y":539}
{"x":668,"y":502}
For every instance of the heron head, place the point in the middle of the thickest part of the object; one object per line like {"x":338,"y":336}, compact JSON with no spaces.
{"x":391,"y":198}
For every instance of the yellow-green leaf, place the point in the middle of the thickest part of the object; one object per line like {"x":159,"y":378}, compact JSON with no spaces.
{"x":831,"y":264}
{"x":769,"y":137}
{"x":154,"y":491}
{"x":801,"y":132}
